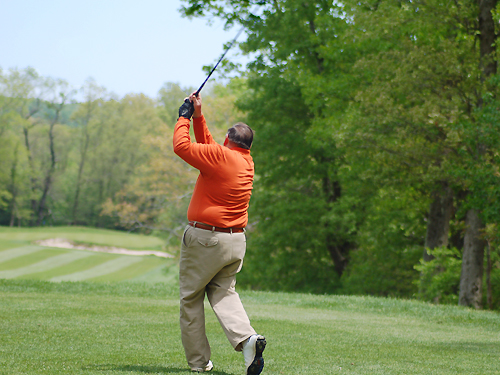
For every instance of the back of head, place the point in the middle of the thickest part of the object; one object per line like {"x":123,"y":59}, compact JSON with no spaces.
{"x":241,"y":134}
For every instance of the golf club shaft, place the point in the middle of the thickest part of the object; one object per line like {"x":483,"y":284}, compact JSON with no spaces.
{"x":215,"y":67}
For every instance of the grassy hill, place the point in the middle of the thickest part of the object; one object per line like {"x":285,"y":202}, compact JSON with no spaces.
{"x":91,"y":236}
{"x":109,"y":322}
{"x":22,"y":258}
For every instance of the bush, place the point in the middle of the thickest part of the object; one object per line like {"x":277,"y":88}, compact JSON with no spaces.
{"x":440,"y":278}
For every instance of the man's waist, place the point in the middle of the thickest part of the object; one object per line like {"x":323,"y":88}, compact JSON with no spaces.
{"x":213,"y":228}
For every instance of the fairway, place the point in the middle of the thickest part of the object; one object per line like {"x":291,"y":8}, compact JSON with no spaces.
{"x":21,"y":258}
{"x":93,"y":236}
{"x":132,"y":328}
{"x":68,"y":311}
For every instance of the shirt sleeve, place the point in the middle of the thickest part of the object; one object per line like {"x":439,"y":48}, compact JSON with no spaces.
{"x":202,"y":156}
{"x":201,"y":132}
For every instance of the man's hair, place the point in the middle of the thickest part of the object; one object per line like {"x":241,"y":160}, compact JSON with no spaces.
{"x":241,"y":134}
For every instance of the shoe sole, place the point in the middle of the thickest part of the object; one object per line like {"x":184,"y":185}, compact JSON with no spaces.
{"x":258,"y":362}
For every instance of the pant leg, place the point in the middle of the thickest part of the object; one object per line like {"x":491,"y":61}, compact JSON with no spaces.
{"x":192,"y":284}
{"x":223,"y":297}
{"x":192,"y":321}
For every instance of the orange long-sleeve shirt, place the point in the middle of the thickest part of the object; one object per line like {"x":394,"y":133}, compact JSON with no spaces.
{"x":224,"y":186}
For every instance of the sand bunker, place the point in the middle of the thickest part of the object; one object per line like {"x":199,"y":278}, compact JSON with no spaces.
{"x":66,"y":244}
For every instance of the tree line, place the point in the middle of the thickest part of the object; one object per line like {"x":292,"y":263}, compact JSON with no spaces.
{"x":87,"y":157}
{"x":377,"y":148}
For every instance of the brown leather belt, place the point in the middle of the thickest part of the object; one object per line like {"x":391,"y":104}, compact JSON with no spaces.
{"x":195,"y":224}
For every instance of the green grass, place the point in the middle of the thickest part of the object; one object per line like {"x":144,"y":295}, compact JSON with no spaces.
{"x":21,"y":258}
{"x":80,"y":312}
{"x":132,"y":328}
{"x":93,"y":236}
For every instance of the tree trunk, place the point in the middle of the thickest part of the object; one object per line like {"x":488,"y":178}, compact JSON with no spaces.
{"x":33,"y":179}
{"x":489,"y":292}
{"x":13,"y":215}
{"x":473,"y":254}
{"x":90,"y":106}
{"x":487,"y":37}
{"x":438,"y":223}
{"x":13,"y":187}
{"x":337,"y":255}
{"x":471,"y":278}
{"x":79,"y":176}
{"x":49,"y":177}
{"x":338,"y":248}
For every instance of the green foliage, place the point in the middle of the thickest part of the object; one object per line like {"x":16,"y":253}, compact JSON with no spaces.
{"x":390,"y":243}
{"x":440,"y":277}
{"x":494,"y":280}
{"x":169,"y":97}
{"x":358,"y":111}
{"x":480,"y":159}
{"x":63,"y":162}
{"x":291,"y":219}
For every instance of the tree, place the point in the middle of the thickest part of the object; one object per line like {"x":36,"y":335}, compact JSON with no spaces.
{"x":169,"y":97}
{"x":471,"y":279}
{"x":402,"y":125}
{"x":297,"y":85}
{"x":425,"y":98}
{"x":117,"y":151}
{"x":22,"y":92}
{"x":60,"y":93}
{"x":87,"y":126}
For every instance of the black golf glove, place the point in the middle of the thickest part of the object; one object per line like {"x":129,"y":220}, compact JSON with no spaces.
{"x":186,"y":110}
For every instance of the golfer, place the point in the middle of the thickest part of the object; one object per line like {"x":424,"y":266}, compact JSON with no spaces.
{"x":214,"y":241}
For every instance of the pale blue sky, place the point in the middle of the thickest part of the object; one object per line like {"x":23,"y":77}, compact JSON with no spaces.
{"x":125,"y":45}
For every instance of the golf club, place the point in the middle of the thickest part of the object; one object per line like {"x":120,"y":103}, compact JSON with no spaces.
{"x":224,"y":54}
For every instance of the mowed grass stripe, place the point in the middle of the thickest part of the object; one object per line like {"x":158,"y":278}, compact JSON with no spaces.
{"x":134,"y":270}
{"x":29,"y":259}
{"x":22,"y":259}
{"x":78,"y":265}
{"x":44,"y":265}
{"x":7,"y":245}
{"x":17,"y":252}
{"x":165,"y":274}
{"x":103,"y":269}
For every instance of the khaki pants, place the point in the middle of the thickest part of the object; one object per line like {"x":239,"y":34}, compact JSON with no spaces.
{"x":209,"y":264}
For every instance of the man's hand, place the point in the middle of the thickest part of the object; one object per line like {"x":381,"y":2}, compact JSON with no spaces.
{"x":186,"y":109}
{"x":197,"y":104}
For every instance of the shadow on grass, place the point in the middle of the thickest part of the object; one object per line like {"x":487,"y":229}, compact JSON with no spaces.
{"x":146,"y":369}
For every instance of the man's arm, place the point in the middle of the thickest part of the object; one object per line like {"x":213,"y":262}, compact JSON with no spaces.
{"x":201,"y":132}
{"x":202,"y":156}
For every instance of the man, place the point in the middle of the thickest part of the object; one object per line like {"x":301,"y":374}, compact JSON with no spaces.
{"x":214,"y":241}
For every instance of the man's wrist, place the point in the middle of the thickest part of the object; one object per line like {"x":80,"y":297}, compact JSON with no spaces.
{"x":197,"y":115}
